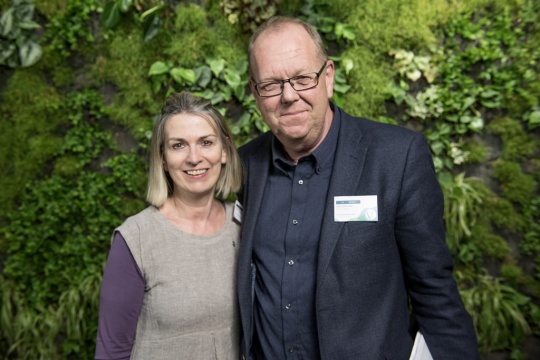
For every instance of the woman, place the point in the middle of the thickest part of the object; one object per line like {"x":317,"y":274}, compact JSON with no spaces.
{"x":168,"y":289}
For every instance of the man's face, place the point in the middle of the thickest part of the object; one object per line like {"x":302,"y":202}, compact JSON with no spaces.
{"x":299,"y":119}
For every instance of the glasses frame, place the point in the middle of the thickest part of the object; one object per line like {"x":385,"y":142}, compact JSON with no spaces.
{"x":290,"y":81}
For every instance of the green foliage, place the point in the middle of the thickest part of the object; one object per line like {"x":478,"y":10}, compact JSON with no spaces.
{"x":69,"y":30}
{"x":463,"y":204}
{"x":458,"y":71}
{"x":218,"y":82}
{"x":516,"y":186}
{"x":498,"y":313}
{"x":531,"y":240}
{"x":131,"y":102}
{"x":516,"y":142}
{"x":56,"y":242}
{"x":333,"y":30}
{"x":249,"y":13}
{"x":17,"y":28}
{"x":474,"y":74}
{"x":33,"y":120}
{"x":368,"y":79}
{"x":149,"y":19}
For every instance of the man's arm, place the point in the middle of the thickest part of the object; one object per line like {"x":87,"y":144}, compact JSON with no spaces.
{"x":426,"y":260}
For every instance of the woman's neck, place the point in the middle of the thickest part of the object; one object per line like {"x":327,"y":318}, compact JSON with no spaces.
{"x":194,"y":216}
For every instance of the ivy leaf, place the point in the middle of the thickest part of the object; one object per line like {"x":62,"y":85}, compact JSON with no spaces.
{"x":232,"y":78}
{"x":151,"y":25}
{"x":476,"y":124}
{"x":6,"y":22}
{"x":180,"y":74}
{"x":534,"y":118}
{"x":468,"y":102}
{"x":204,"y":76}
{"x":29,"y":25}
{"x":111,"y":15}
{"x":6,"y":51}
{"x":158,"y":68}
{"x":348,"y":65}
{"x":124,"y":5}
{"x":217,"y":66}
{"x":30,"y":53}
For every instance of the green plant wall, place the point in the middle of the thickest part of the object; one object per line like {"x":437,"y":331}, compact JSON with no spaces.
{"x":77,"y":123}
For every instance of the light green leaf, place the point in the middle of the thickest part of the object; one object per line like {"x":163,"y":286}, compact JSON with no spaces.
{"x":124,"y":5}
{"x":180,"y":74}
{"x":157,"y":68}
{"x":232,"y":78}
{"x":6,"y":22}
{"x":30,"y":53}
{"x":217,"y":66}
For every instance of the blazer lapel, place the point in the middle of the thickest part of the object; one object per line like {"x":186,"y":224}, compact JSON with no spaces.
{"x":258,"y":174}
{"x":348,"y":164}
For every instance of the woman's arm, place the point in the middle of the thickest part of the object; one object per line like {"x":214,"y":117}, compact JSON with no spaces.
{"x":121,"y":298}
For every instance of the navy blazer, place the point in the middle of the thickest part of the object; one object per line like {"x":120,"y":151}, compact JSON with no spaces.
{"x":368,"y":271}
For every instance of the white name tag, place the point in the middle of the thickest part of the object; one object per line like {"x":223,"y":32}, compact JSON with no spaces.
{"x":355,"y":208}
{"x":237,"y":213}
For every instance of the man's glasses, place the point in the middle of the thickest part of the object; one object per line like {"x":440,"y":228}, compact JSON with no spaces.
{"x":298,"y":83}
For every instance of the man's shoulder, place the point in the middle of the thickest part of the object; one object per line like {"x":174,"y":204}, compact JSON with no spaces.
{"x":377,"y":129}
{"x":256,"y":145}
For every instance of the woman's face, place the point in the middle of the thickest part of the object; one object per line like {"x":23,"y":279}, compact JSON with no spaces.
{"x":193,"y":155}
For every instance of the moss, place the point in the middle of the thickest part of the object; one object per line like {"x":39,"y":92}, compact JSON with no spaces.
{"x":511,"y":272}
{"x":369,"y":79}
{"x":392,"y":24}
{"x":67,"y":166}
{"x":502,"y":214}
{"x":4,"y":4}
{"x":516,"y":186}
{"x":516,"y":142}
{"x":198,"y":35}
{"x":125,"y":65}
{"x":535,"y":165}
{"x":488,"y":243}
{"x":49,"y":8}
{"x":32,"y":111}
{"x":478,"y":152}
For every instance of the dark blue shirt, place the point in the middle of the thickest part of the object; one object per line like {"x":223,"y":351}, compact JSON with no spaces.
{"x":285,"y":252}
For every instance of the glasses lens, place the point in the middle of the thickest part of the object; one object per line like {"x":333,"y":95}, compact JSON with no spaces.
{"x":304,"y":82}
{"x":269,"y":88}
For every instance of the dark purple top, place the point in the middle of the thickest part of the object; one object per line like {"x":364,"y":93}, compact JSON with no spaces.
{"x":120,"y":303}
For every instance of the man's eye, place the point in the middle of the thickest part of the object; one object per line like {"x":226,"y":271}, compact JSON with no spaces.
{"x":270,"y":86}
{"x":303,"y":79}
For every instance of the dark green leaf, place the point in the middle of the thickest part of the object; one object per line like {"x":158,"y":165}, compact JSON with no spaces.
{"x":111,"y":15}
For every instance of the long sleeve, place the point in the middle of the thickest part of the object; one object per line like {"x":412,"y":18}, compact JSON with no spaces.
{"x":121,"y":299}
{"x":427,"y":263}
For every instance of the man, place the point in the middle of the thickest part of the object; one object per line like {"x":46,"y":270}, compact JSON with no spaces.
{"x":342,"y":223}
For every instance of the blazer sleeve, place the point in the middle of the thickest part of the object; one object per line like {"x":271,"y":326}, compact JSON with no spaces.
{"x":427,"y":262}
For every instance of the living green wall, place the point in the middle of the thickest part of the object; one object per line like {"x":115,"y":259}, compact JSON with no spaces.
{"x":77,"y":113}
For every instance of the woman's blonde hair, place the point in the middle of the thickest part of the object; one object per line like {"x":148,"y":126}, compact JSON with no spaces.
{"x":160,"y":185}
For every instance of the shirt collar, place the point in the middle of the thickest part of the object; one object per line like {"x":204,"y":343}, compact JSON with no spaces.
{"x":321,"y":157}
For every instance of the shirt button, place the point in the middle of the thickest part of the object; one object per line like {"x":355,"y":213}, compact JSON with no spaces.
{"x":288,"y":306}
{"x":291,"y":350}
{"x":291,"y":262}
{"x":300,"y":182}
{"x":295,"y":222}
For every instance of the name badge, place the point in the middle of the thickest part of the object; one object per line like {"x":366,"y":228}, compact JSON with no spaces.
{"x":237,"y":212}
{"x":355,"y":208}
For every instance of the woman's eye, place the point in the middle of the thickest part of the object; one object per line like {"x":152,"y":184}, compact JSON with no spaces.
{"x":178,"y":146}
{"x":206,"y":143}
